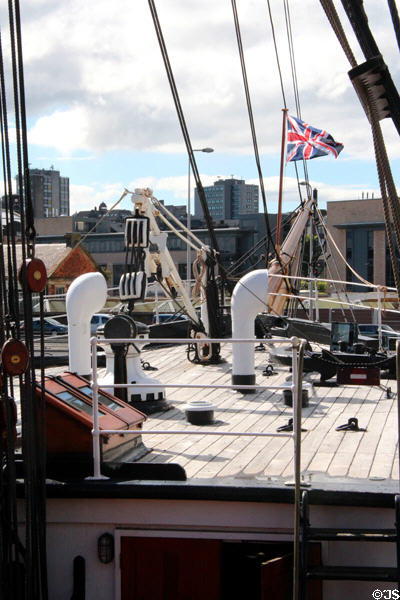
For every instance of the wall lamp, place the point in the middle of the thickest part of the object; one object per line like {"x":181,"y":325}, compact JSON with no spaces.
{"x":105,"y":548}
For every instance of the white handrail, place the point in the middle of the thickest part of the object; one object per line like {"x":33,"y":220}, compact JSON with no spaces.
{"x":97,"y":432}
{"x":295,"y":387}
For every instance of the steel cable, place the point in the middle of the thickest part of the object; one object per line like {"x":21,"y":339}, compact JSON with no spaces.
{"x":252,"y":125}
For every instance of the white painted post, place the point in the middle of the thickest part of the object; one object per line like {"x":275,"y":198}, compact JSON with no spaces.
{"x":316,"y":301}
{"x":95,"y":431}
{"x":380,"y":320}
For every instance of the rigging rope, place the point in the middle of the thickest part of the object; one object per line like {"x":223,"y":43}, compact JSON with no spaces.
{"x":294,"y":80}
{"x":318,"y":212}
{"x":395,"y":19}
{"x":182,"y":122}
{"x":32,"y":560}
{"x":390,"y":200}
{"x":252,"y":127}
{"x":329,"y":235}
{"x":276,"y":54}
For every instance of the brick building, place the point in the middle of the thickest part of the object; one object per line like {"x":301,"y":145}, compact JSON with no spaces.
{"x":63,"y":264}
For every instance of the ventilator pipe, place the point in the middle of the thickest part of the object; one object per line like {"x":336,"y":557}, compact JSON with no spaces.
{"x":86,"y":295}
{"x":248,"y":299}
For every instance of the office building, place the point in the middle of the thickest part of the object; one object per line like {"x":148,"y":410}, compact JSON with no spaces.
{"x":228,"y":199}
{"x":49,"y":192}
{"x":358,"y":228}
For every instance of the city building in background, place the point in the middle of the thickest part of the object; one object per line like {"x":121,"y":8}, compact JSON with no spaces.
{"x":180,"y":211}
{"x":228,"y":199}
{"x":100,"y":220}
{"x":49,"y":192}
{"x":358,"y":228}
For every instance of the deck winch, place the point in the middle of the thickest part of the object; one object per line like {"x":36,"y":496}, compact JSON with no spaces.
{"x":123,"y":365}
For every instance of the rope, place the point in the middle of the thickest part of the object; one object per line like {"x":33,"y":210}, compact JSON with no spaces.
{"x":368,"y":283}
{"x":276,"y":54}
{"x":336,"y":25}
{"x":189,"y":232}
{"x":125,"y":192}
{"x":337,"y":272}
{"x":178,"y":234}
{"x":252,"y":126}
{"x":395,"y":19}
{"x":182,"y":122}
{"x":388,"y":190}
{"x":198,"y":275}
{"x":34,"y":578}
{"x":294,"y":82}
{"x":257,"y":246}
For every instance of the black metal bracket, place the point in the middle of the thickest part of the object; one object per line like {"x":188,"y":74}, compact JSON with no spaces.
{"x":269,"y":370}
{"x":288,"y":426}
{"x":351,"y":425}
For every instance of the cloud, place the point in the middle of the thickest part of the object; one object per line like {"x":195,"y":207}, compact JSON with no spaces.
{"x":84,"y":197}
{"x":96,"y":82}
{"x":64,"y":130}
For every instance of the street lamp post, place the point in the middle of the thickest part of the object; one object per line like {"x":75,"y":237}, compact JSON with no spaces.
{"x":188,"y":221}
{"x":311,"y":193}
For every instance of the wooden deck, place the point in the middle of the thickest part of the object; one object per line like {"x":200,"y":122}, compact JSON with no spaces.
{"x":372,"y":454}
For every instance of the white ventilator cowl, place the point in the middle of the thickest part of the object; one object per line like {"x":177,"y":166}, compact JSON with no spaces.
{"x":249,"y":298}
{"x":86,"y":295}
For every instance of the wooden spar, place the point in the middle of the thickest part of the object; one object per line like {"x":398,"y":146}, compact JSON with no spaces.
{"x":283,"y":144}
{"x":277,"y":285}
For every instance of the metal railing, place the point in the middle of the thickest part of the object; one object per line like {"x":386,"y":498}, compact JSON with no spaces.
{"x":296,"y":387}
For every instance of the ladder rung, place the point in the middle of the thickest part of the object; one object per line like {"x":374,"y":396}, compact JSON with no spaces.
{"x":354,"y":573}
{"x":351,"y":535}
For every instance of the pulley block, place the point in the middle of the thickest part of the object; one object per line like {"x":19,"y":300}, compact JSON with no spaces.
{"x":133,"y":286}
{"x":14,"y":357}
{"x":137,"y":230}
{"x":35,"y":273}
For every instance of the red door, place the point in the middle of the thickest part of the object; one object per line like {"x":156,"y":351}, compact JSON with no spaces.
{"x":170,"y":569}
{"x":276,"y":578}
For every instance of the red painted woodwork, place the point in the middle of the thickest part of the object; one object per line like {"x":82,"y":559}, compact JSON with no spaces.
{"x":358,"y":376}
{"x":276,"y":578}
{"x":170,"y":568}
{"x":69,"y":425}
{"x":126,"y":413}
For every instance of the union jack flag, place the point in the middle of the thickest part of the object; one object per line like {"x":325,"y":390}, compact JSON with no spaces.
{"x":305,"y":142}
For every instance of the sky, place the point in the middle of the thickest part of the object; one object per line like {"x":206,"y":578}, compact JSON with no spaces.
{"x":100,"y":109}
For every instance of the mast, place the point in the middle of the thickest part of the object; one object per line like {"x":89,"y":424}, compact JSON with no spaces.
{"x":279,"y":217}
{"x":277,"y":287}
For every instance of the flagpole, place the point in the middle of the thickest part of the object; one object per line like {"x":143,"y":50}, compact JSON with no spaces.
{"x":279,"y":218}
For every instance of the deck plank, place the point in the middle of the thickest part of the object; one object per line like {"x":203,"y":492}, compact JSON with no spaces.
{"x":325,"y":451}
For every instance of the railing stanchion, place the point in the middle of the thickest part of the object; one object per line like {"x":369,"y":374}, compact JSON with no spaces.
{"x":380,"y":342}
{"x":96,"y":430}
{"x":398,"y":395}
{"x":297,"y":395}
